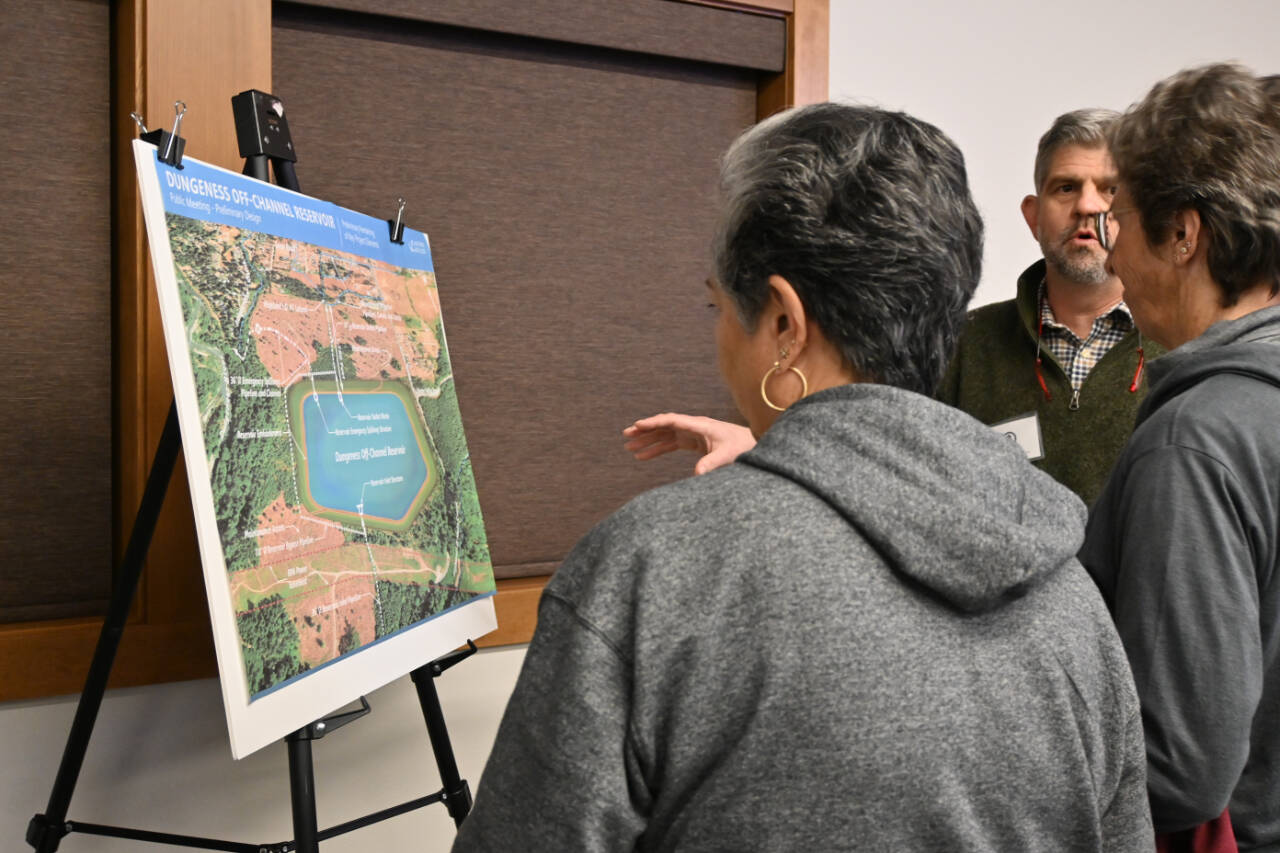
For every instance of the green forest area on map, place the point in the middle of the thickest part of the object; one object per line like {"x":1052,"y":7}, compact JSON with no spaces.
{"x":345,"y":501}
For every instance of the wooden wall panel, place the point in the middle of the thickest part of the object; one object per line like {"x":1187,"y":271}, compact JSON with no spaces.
{"x":55,"y":226}
{"x":161,"y":50}
{"x":569,"y":195}
{"x":651,"y":27}
{"x":233,"y":53}
{"x":804,"y":80}
{"x":202,"y":53}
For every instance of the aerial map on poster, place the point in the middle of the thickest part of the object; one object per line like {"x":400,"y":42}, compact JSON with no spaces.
{"x":314,"y":385}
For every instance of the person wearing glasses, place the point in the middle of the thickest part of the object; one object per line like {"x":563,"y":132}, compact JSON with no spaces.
{"x":1059,"y":368}
{"x":871,"y":632}
{"x":1184,"y":542}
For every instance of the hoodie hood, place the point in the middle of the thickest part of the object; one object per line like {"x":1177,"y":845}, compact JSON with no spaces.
{"x":949,"y":503}
{"x":1248,"y":345}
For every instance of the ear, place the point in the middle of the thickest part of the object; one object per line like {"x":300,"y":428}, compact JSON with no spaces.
{"x":1187,"y":231}
{"x":790,"y":323}
{"x":1031,"y":213}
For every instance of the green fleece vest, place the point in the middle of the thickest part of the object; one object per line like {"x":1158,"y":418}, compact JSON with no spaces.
{"x":993,"y":378}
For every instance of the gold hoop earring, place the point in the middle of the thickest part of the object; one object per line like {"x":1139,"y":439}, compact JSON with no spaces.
{"x":804,"y":385}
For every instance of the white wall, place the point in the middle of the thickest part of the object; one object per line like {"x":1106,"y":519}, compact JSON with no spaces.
{"x":992,"y":74}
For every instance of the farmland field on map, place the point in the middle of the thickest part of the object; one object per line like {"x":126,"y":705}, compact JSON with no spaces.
{"x":343,"y":491}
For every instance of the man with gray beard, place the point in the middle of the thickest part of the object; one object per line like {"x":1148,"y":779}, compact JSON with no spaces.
{"x":1059,"y":368}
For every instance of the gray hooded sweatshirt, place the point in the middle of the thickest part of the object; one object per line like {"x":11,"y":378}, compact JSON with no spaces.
{"x":1185,"y":545}
{"x":871,"y":633}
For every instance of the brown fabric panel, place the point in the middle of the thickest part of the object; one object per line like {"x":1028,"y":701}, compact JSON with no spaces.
{"x":55,"y":425}
{"x":656,"y":27}
{"x":569,"y":207}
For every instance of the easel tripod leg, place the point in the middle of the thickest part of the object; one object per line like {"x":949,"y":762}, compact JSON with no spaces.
{"x":457,"y":794}
{"x":302,"y":790}
{"x":46,"y":830}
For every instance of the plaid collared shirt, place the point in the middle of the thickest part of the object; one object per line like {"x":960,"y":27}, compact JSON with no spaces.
{"x":1077,"y":356}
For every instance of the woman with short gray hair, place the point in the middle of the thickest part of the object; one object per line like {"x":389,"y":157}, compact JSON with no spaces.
{"x":871,"y":631}
{"x":855,"y":230}
{"x":1185,"y":539}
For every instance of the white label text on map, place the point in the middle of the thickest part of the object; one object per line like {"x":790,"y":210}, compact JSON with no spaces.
{"x":367,"y":453}
{"x":325,"y":608}
{"x":364,"y":430}
{"x":265,"y":531}
{"x":242,"y":435}
{"x":291,"y":545}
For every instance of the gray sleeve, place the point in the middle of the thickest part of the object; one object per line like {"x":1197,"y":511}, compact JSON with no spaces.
{"x":1126,"y":823}
{"x":563,"y":774}
{"x":1186,"y":607}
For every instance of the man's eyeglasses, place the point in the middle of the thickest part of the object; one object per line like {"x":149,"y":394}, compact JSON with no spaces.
{"x":1105,"y":223}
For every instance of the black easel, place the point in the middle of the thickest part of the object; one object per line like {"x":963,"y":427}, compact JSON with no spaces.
{"x":46,"y":830}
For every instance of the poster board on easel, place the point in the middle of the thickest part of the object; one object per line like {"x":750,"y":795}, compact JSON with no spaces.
{"x":339,"y":529}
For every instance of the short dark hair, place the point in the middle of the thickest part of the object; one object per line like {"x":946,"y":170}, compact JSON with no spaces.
{"x":867,"y":213}
{"x":1208,"y":139}
{"x":1271,"y":85}
{"x":1086,"y":128}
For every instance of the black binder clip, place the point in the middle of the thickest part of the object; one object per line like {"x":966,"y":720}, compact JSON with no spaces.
{"x":169,"y":145}
{"x":397,"y":225}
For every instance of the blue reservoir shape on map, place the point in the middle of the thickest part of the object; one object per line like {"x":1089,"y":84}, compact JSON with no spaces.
{"x":362,"y":447}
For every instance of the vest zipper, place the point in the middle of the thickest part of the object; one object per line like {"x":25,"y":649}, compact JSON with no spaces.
{"x":1075,"y":400}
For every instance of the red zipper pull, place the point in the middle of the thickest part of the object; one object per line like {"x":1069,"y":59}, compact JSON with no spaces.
{"x":1137,"y":374}
{"x":1040,"y":379}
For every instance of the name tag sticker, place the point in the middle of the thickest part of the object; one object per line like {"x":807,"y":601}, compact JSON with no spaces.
{"x":1025,"y":430}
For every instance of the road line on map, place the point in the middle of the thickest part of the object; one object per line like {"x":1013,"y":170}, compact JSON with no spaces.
{"x":336,"y":349}
{"x":315,"y":393}
{"x":377,"y":599}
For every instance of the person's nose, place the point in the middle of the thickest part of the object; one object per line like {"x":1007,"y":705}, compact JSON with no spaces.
{"x":1091,"y":202}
